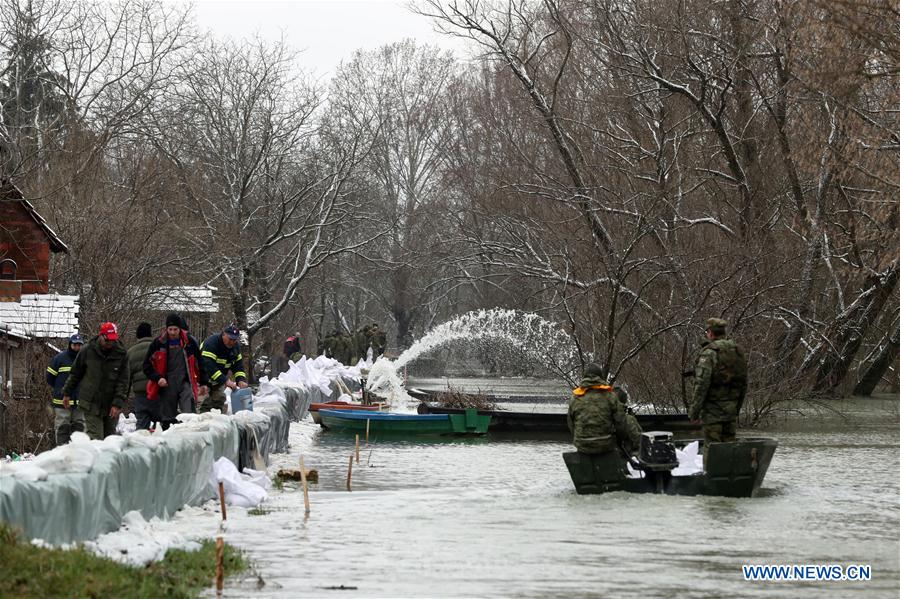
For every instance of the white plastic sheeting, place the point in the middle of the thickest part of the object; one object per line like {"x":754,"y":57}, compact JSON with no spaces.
{"x":244,"y":490}
{"x":85,"y":488}
{"x":90,"y":486}
{"x":690,"y":460}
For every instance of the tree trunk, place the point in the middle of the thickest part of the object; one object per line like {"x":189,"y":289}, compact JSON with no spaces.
{"x":847,"y":333}
{"x":880,"y":365}
{"x":247,"y":354}
{"x":803,"y":307}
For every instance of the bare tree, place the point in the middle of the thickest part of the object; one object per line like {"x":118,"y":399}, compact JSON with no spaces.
{"x":403,"y":88}
{"x":261,"y":184}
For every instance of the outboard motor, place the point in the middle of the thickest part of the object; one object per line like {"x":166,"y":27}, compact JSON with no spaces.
{"x":657,"y":451}
{"x":657,"y":458}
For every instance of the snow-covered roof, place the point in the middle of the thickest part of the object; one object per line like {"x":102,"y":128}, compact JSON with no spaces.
{"x":182,"y":299}
{"x":7,"y":329}
{"x":44,"y":315}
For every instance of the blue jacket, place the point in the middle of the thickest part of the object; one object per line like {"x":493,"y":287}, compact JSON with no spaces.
{"x":57,"y":374}
{"x":218,"y":360}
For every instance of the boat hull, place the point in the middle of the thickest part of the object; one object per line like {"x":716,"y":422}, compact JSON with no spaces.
{"x":469,"y":423}
{"x":734,"y":469}
{"x":340,"y":405}
{"x":545,"y":422}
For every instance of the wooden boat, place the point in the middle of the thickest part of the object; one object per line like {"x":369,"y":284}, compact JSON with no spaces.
{"x":342,"y":405}
{"x":734,"y":469}
{"x":469,"y":423}
{"x":504,"y":420}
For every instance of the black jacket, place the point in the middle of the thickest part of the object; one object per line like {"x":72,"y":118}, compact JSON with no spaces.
{"x":218,"y":360}
{"x":58,"y":373}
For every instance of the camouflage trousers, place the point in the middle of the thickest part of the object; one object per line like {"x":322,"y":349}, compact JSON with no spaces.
{"x":99,"y":427}
{"x":66,"y":422}
{"x":719,"y":432}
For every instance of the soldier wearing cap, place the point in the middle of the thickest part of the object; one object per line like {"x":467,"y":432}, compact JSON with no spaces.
{"x":66,"y":420}
{"x":101,"y":370}
{"x":720,"y":384}
{"x":597,"y":418}
{"x":221,"y":354}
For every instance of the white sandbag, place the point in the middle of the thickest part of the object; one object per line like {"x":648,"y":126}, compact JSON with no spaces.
{"x":27,"y":471}
{"x":258,"y":477}
{"x":269,"y":393}
{"x":690,"y":460}
{"x":78,"y":455}
{"x":144,"y":438}
{"x":126,"y":424}
{"x":240,"y":489}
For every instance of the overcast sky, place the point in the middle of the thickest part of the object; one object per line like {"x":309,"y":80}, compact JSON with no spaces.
{"x":327,"y":31}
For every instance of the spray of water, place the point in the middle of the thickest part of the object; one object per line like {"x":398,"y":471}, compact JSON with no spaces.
{"x":539,"y":341}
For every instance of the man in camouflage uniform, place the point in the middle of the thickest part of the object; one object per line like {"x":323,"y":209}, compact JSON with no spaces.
{"x":379,"y":342}
{"x":720,"y":384}
{"x":596,"y":416}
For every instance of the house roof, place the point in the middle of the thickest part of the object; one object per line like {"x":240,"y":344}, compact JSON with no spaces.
{"x":43,"y":315}
{"x":10,"y":192}
{"x":187,"y":299}
{"x":7,"y":329}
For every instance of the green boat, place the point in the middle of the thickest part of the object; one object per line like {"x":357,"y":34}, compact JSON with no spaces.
{"x":354,"y":421}
{"x":735,"y":469}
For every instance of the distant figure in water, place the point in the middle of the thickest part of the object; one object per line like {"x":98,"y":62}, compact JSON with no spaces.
{"x":720,"y":384}
{"x":597,"y":418}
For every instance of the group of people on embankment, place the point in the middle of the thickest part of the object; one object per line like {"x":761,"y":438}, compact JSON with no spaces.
{"x":350,"y":348}
{"x":162,"y":376}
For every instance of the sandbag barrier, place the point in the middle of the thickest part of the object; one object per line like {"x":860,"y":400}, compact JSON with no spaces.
{"x":88,"y":487}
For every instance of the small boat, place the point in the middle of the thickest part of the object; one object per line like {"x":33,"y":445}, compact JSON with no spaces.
{"x":342,"y":405}
{"x":469,"y":423}
{"x":735,"y":469}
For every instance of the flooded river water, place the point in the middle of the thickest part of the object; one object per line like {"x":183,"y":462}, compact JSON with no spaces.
{"x":499,"y":518}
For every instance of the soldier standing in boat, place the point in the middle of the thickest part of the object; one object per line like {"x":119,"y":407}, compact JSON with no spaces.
{"x":720,"y":384}
{"x":597,"y":418}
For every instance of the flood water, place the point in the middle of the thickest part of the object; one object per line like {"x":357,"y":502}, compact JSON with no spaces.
{"x":500,"y":518}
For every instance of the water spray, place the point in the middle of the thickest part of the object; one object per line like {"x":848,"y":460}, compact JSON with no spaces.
{"x":540,"y":341}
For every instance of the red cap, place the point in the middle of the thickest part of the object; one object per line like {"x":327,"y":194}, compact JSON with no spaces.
{"x":109,"y":330}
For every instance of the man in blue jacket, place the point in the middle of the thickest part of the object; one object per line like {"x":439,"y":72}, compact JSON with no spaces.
{"x":66,"y":420}
{"x":221,"y":354}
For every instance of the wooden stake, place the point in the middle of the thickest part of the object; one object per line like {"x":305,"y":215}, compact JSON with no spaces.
{"x":220,"y":568}
{"x":367,"y":431}
{"x":305,"y":486}
{"x":350,"y":473}
{"x":357,"y":449}
{"x":222,"y":500}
